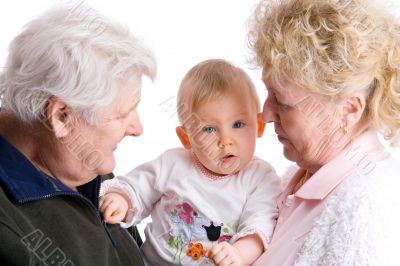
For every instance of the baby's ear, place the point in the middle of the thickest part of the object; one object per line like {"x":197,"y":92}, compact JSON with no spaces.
{"x":260,"y":125}
{"x":184,"y":138}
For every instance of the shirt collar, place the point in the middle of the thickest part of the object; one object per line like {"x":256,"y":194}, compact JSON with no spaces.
{"x":23,"y":182}
{"x":359,"y":157}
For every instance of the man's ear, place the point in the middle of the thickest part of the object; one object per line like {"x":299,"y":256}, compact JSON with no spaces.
{"x":260,"y":125}
{"x":59,"y":117}
{"x":184,"y":138}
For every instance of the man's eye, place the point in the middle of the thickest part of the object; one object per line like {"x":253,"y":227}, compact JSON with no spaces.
{"x":209,"y":129}
{"x":238,"y":124}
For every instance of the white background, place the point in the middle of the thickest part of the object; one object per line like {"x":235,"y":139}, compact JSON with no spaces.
{"x":181,"y":33}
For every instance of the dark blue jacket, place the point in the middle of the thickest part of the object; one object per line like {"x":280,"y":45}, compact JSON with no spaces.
{"x":43,"y":222}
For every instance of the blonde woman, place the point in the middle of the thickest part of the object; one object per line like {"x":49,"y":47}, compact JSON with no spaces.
{"x":331,"y":68}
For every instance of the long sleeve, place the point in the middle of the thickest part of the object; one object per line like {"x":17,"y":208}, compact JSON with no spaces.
{"x":260,"y":211}
{"x":140,"y":187}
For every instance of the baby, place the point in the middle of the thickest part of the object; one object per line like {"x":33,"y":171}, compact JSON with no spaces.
{"x":213,"y":201}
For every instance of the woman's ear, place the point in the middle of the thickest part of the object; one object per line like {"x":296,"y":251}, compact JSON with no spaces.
{"x":59,"y":117}
{"x":260,"y":125}
{"x":353,"y":108}
{"x":184,"y":138}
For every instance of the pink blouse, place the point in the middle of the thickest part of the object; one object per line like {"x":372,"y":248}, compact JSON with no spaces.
{"x":298,"y":211}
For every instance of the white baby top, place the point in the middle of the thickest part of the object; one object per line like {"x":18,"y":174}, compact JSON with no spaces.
{"x":191,"y":210}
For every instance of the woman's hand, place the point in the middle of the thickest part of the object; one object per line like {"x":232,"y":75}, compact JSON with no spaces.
{"x":113,"y":207}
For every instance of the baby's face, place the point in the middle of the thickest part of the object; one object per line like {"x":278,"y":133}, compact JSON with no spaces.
{"x":224,"y":140}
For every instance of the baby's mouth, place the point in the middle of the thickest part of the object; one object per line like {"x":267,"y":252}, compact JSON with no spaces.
{"x":227,"y":157}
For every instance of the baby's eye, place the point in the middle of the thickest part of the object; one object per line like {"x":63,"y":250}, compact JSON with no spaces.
{"x":238,"y":124}
{"x":210,"y":129}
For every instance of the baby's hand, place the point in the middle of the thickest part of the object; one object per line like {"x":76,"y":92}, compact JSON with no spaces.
{"x":113,"y":207}
{"x":225,"y":254}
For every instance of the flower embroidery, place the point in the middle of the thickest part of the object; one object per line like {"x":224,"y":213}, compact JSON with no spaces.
{"x":196,"y":250}
{"x":186,"y":212}
{"x":190,"y":234}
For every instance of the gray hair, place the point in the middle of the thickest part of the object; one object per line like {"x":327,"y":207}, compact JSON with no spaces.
{"x":80,"y":59}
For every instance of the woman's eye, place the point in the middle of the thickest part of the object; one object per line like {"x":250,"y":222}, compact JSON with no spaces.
{"x":283,"y":106}
{"x":238,"y":124}
{"x":280,"y":104}
{"x":209,"y":129}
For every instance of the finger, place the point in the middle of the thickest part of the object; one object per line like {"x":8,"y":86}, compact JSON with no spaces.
{"x":110,"y":211}
{"x":224,"y":254}
{"x":115,"y":218}
{"x":212,"y":251}
{"x":218,"y":257}
{"x":101,"y":200}
{"x":227,"y":261}
{"x":116,"y":212}
{"x":105,"y":204}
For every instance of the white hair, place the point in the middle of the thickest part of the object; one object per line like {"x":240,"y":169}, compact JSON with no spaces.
{"x":76,"y":55}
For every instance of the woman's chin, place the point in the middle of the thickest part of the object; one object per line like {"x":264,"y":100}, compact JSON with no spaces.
{"x":290,"y":154}
{"x":106,"y":167}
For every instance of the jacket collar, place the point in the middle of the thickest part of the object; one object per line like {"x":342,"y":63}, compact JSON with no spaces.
{"x":357,"y":158}
{"x":23,"y":182}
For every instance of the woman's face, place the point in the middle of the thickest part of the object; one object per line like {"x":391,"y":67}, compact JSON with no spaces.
{"x":307,"y":124}
{"x":99,"y":141}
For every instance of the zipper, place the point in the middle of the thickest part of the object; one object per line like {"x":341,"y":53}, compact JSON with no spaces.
{"x":75,"y":194}
{"x":104,"y":222}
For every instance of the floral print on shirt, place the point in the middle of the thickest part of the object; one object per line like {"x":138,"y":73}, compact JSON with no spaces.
{"x":191,"y":234}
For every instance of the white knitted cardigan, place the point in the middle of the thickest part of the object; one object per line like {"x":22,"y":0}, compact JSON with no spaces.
{"x":360,"y":224}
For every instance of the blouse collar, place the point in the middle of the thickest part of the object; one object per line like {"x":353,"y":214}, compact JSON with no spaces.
{"x":359,"y":157}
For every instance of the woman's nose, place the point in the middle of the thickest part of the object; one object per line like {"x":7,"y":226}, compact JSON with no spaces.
{"x":269,"y":111}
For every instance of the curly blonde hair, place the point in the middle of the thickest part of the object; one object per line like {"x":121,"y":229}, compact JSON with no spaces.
{"x":334,"y":47}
